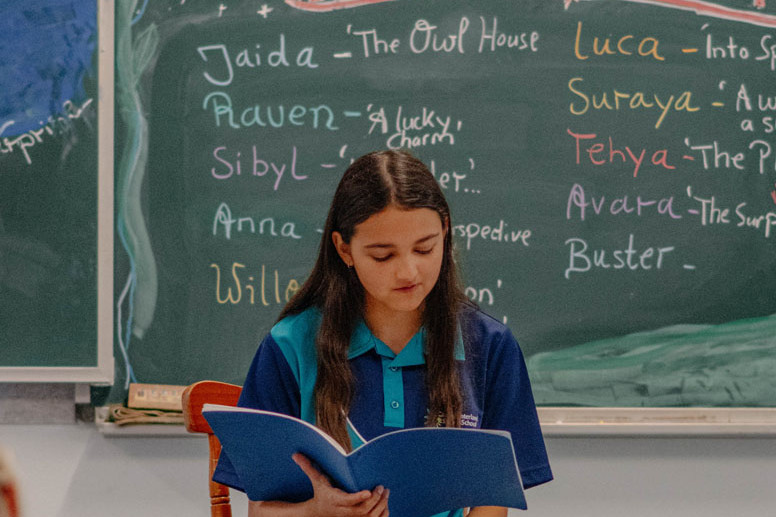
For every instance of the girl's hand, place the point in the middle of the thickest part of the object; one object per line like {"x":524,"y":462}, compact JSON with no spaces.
{"x":329,"y":501}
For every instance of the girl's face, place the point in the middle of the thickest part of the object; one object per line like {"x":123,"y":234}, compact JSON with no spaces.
{"x":397,"y":255}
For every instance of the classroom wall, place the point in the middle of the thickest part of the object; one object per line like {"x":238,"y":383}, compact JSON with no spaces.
{"x":73,"y":470}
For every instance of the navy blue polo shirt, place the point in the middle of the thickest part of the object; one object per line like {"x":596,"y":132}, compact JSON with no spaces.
{"x":390,"y":390}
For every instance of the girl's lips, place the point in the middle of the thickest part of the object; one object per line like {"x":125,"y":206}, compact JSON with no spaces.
{"x":406,"y":289}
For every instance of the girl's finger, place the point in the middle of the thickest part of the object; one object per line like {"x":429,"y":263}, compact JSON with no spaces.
{"x":345,"y":500}
{"x":381,"y":508}
{"x":385,"y":496}
{"x":374,"y":499}
{"x":316,"y":477}
{"x":323,"y":488}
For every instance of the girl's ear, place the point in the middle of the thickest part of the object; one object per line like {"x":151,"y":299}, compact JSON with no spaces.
{"x":445,"y":225}
{"x":343,"y":248}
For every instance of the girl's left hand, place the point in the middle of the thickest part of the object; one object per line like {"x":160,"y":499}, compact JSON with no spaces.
{"x":328,"y":500}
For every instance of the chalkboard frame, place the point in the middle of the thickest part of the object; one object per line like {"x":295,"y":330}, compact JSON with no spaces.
{"x":690,"y":421}
{"x":740,"y":422}
{"x":104,"y":371}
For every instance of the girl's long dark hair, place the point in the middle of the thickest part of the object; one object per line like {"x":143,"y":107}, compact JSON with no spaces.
{"x":369,"y":185}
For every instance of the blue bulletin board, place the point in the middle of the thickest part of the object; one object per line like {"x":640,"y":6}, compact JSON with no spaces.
{"x":56,"y":191}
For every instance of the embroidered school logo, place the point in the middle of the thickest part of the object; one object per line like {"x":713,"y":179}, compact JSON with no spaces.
{"x":467,"y":420}
{"x":330,"y":5}
{"x":470,"y":421}
{"x":438,"y":422}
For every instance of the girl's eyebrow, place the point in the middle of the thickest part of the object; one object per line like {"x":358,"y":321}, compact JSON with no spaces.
{"x":419,"y":241}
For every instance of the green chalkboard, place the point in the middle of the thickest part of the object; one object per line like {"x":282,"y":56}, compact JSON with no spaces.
{"x":49,"y":193}
{"x":609,"y":164}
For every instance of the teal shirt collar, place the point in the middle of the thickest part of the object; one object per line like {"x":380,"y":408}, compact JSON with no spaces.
{"x":363,"y":340}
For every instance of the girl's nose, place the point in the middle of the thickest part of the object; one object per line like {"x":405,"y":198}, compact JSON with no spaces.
{"x":407,"y":269}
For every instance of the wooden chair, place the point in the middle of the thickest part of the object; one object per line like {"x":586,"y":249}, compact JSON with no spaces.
{"x":194,"y":396}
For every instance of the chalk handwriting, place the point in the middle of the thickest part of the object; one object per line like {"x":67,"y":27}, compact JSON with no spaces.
{"x":729,"y":49}
{"x":60,"y":125}
{"x":223,"y":66}
{"x":768,"y":52}
{"x":482,"y":295}
{"x":492,"y":39}
{"x":231,"y":165}
{"x":277,"y":116}
{"x":452,"y":180}
{"x":497,"y":233}
{"x":413,"y":129}
{"x":626,"y":45}
{"x":600,"y":153}
{"x":764,"y":222}
{"x":714,"y":157}
{"x":628,"y":258}
{"x":224,"y":222}
{"x":744,"y":101}
{"x":615,"y":100}
{"x":373,"y":42}
{"x":713,"y":213}
{"x":764,"y":151}
{"x":428,"y":37}
{"x":768,"y":125}
{"x":579,"y":202}
{"x":252,"y":288}
{"x":424,"y":36}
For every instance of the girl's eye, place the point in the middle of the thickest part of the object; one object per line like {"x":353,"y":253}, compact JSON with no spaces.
{"x":424,"y":252}
{"x":382,"y":259}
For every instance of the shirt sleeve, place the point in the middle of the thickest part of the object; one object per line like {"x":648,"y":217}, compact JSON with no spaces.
{"x":510,"y":407}
{"x":270,"y":385}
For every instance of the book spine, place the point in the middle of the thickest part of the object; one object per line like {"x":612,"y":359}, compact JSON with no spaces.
{"x":354,"y":485}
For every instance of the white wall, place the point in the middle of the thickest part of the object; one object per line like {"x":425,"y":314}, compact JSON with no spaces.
{"x":74,"y":471}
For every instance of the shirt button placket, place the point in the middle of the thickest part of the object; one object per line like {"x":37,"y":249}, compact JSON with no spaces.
{"x":393,"y":393}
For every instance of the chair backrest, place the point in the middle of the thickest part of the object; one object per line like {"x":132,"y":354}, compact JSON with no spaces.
{"x":194,"y":396}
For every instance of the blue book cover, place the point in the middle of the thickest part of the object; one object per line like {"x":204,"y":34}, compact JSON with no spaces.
{"x":428,"y":470}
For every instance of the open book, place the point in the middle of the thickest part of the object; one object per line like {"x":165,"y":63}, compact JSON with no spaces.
{"x":428,"y":470}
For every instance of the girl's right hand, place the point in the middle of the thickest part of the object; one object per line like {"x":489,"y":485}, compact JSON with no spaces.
{"x":329,"y":501}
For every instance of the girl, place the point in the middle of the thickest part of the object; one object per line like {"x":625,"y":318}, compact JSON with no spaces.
{"x":382,"y":337}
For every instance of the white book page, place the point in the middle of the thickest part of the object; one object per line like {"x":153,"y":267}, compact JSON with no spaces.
{"x":235,"y":409}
